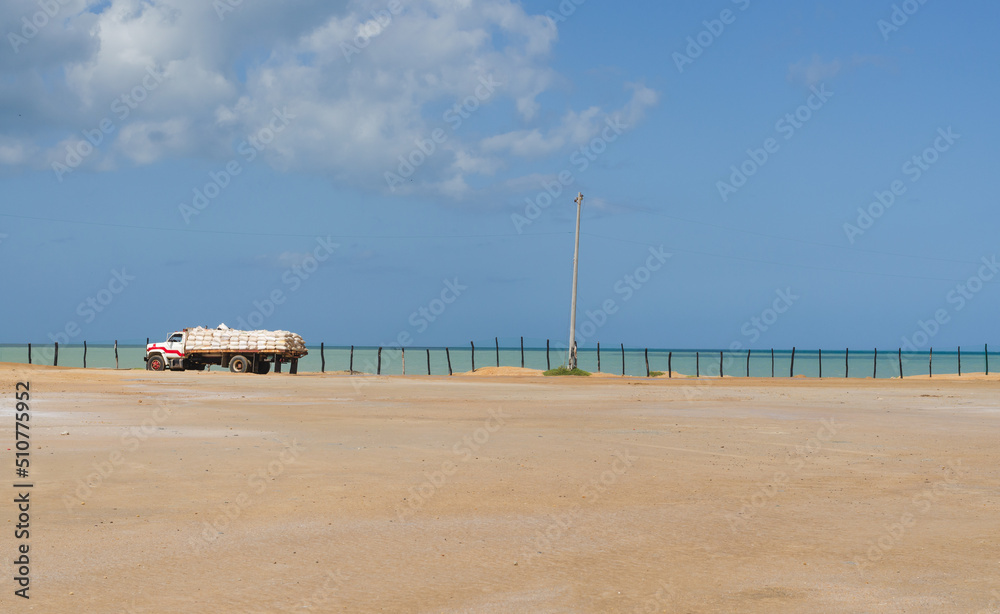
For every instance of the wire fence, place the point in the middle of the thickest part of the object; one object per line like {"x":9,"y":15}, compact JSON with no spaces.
{"x":618,"y":360}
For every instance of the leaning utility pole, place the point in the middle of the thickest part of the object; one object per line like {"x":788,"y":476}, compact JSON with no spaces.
{"x":576,"y":270}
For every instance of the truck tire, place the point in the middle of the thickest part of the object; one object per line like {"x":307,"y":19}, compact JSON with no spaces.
{"x":239,"y":364}
{"x":156,"y":363}
{"x":263,"y":368}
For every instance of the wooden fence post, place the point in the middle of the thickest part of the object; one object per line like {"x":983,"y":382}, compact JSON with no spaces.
{"x":772,"y":362}
{"x":647,"y":362}
{"x":473,"y":344}
{"x":378,"y":369}
{"x":987,"y":352}
{"x":697,"y":364}
{"x":623,"y":360}
{"x":428,"y":361}
{"x":293,"y":369}
{"x":791,"y":369}
{"x":847,"y":363}
{"x":29,"y":353}
{"x":352,"y":360}
{"x":748,"y":363}
{"x":116,"y":354}
{"x":548,"y":361}
{"x":930,"y":364}
{"x":522,"y":352}
{"x":721,"y":374}
{"x":821,"y":364}
{"x":322,"y":358}
{"x":55,"y":359}
{"x":497,"y":340}
{"x":901,"y":363}
{"x":403,"y":352}
{"x":670,"y":365}
{"x":875,"y":365}
{"x":84,"y":353}
{"x":598,"y":356}
{"x":960,"y":361}
{"x":447,"y":352}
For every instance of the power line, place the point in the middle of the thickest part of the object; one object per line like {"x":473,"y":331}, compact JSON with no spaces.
{"x":785,"y":264}
{"x":274,"y":234}
{"x":813,"y":243}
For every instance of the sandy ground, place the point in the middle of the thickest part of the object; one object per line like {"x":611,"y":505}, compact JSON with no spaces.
{"x":213,"y":492}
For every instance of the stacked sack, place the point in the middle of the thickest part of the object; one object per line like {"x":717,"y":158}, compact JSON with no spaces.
{"x":231,"y":340}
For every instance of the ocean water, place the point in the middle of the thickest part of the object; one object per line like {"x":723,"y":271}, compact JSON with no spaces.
{"x":631,"y":361}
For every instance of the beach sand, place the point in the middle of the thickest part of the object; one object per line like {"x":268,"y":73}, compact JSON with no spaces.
{"x":214,"y":492}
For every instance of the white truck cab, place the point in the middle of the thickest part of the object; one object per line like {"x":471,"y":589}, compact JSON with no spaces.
{"x":168,"y":354}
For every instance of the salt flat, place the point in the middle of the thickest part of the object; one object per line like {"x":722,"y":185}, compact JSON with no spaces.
{"x":214,"y":492}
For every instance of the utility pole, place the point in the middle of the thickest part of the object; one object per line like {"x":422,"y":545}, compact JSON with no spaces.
{"x":576,"y":271}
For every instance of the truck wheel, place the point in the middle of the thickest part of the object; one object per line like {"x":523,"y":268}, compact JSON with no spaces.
{"x":156,"y":363}
{"x":263,"y":368}
{"x":239,"y":364}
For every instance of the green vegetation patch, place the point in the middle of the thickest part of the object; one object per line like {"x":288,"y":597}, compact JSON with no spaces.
{"x":564,"y":371}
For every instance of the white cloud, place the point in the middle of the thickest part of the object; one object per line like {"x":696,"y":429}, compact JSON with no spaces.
{"x":364,"y":90}
{"x":574,"y":130}
{"x":814,"y":71}
{"x":14,"y":151}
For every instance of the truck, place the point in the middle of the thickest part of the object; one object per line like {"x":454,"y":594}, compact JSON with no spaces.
{"x":241,"y":351}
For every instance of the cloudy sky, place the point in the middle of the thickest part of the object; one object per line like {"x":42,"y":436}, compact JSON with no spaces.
{"x":765,"y":174}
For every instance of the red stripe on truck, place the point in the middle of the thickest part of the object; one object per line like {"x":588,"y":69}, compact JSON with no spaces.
{"x":165,"y":350}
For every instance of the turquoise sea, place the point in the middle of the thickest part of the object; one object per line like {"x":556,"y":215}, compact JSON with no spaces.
{"x":632,"y":362}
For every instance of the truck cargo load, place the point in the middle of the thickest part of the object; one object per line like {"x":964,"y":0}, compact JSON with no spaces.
{"x":241,"y":351}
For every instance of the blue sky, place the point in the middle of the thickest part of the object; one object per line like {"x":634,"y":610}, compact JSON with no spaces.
{"x":258,"y":153}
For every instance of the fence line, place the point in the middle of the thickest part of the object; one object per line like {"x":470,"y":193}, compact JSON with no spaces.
{"x":635,"y":361}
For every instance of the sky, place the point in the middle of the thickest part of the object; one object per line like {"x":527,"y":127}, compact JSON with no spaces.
{"x":754,"y":174}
